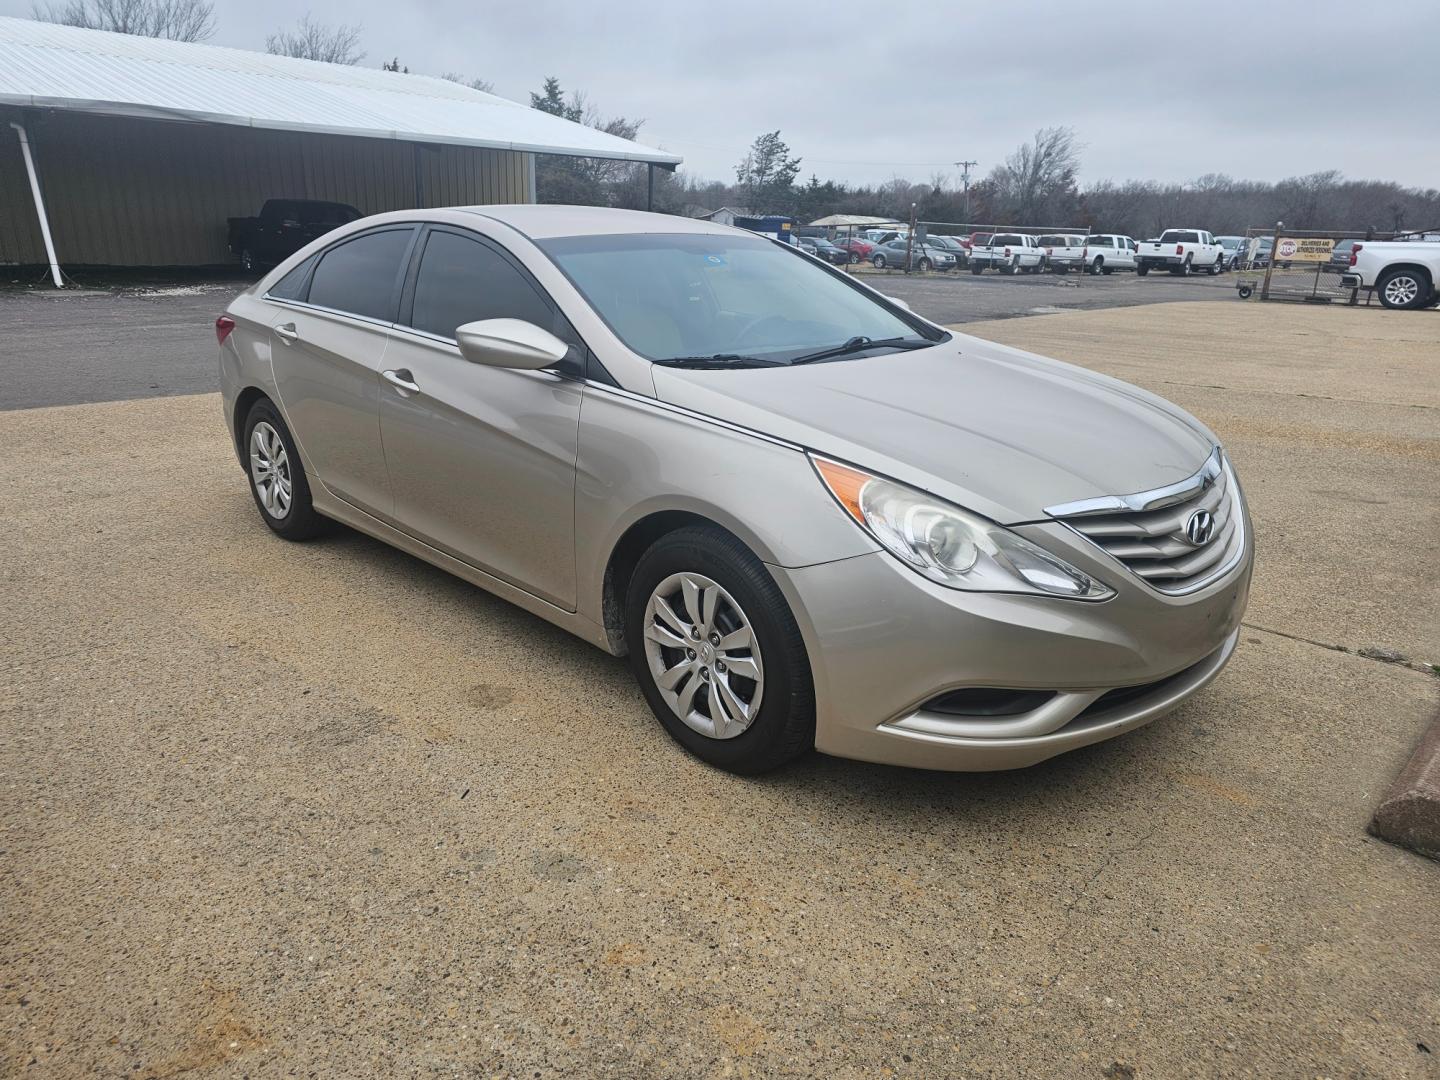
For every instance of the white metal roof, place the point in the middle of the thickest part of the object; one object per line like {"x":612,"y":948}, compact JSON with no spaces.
{"x":842,"y":220}
{"x":93,"y":71}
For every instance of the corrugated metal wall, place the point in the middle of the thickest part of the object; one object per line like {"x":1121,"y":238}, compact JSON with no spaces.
{"x":123,"y":192}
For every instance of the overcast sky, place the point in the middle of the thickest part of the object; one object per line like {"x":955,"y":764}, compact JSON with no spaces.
{"x":863,"y":91}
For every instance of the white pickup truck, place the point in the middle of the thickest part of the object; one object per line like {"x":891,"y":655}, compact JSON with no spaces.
{"x":1063,"y":251}
{"x":1402,"y":273}
{"x":1105,"y":253}
{"x":1180,"y":251}
{"x":1007,"y":252}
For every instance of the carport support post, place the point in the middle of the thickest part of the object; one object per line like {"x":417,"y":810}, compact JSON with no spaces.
{"x":39,"y":205}
{"x":650,"y":185}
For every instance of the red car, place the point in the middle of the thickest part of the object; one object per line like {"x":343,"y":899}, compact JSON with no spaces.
{"x":858,"y":249}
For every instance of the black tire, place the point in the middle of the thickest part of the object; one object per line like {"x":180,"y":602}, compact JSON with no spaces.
{"x":1214,"y":268}
{"x":1184,"y":268}
{"x":1141,"y":269}
{"x":247,"y":260}
{"x":878,"y":262}
{"x":784,"y":727}
{"x":1398,"y":275}
{"x":1008,"y":269}
{"x":977,"y":269}
{"x":924,"y":264}
{"x":299,"y":521}
{"x":1107,"y":270}
{"x":853,"y":258}
{"x":1245,"y":291}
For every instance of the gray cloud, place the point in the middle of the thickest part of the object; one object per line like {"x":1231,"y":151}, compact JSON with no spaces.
{"x":863,"y":92}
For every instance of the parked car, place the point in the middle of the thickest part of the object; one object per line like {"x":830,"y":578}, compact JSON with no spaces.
{"x":830,"y":253}
{"x":855,"y":247}
{"x":979,"y":587}
{"x":1339,"y":260}
{"x":1181,"y":251}
{"x":1106,"y":252}
{"x":1234,"y":250}
{"x":953,"y":245}
{"x":1402,"y":273}
{"x":283,"y":227}
{"x":894,"y":253}
{"x":1063,"y":251}
{"x":1007,"y":252}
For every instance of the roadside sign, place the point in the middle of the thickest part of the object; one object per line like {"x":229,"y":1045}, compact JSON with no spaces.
{"x":1309,"y":249}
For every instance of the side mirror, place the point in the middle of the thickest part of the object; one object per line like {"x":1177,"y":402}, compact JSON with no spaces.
{"x":509,"y":343}
{"x":898,"y":302}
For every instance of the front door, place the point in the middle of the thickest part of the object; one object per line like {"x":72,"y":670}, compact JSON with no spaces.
{"x":481,"y":459}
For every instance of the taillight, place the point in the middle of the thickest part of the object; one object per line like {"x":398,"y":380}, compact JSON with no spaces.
{"x":223,"y":325}
{"x":1179,"y":249}
{"x":1354,"y":251}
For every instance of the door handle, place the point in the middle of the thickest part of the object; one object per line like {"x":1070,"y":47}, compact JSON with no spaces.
{"x":287,"y":333}
{"x":402,"y":379}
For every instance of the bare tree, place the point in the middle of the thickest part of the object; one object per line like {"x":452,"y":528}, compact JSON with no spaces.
{"x":316,"y":41}
{"x":1039,"y":177}
{"x":484,"y":85}
{"x":176,"y":20}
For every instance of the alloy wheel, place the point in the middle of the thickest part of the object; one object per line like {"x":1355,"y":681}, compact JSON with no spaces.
{"x":270,"y":470}
{"x":703,"y":655}
{"x":1401,"y":290}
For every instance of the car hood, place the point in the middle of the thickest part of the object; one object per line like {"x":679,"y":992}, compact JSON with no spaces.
{"x":999,"y":431}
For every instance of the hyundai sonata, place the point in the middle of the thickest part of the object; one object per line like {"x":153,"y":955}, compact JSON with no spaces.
{"x":809,"y":517}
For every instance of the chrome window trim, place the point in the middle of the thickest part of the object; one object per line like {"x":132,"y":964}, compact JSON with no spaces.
{"x":306,"y":306}
{"x":1141,"y":501}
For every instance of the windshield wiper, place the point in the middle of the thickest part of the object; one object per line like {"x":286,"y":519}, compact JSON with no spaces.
{"x":718,"y":360}
{"x":860,"y":343}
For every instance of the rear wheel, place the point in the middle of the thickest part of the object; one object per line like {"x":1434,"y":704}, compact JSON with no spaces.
{"x":878,"y":262}
{"x":976,"y":269}
{"x":1141,"y":269}
{"x":924,"y":264}
{"x":277,"y":478}
{"x":1403,"y":288}
{"x":247,"y":259}
{"x":717,"y":652}
{"x":853,"y":258}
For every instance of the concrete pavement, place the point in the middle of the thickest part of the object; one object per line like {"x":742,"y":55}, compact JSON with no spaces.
{"x":273,"y":809}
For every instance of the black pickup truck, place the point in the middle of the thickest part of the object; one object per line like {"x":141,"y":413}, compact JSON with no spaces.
{"x":283,"y":227}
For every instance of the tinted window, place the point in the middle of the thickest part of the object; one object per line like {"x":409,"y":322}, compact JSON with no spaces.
{"x":359,"y":275}
{"x":292,"y":285}
{"x":1175,"y":236}
{"x":462,"y":280}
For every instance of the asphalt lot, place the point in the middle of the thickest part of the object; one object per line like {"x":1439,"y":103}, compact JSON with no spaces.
{"x":157,"y":337}
{"x":321,"y":809}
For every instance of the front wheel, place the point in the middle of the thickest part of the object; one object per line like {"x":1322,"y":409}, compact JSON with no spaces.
{"x":924,"y":264}
{"x":1214,"y":268}
{"x":277,"y":478}
{"x":1403,"y":288}
{"x":247,"y":260}
{"x":717,"y":652}
{"x":853,"y":258}
{"x":878,"y":262}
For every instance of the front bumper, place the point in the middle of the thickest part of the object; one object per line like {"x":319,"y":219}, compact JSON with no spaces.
{"x":884,"y":641}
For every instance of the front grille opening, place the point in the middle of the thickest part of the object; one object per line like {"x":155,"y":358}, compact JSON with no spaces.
{"x":987,"y":701}
{"x":1154,"y":545}
{"x":1123,"y":695}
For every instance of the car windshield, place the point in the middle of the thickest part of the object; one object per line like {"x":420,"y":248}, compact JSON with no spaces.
{"x":705,"y":295}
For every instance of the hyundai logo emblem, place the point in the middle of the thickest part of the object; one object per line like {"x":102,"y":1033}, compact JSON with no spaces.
{"x":1200,"y":527}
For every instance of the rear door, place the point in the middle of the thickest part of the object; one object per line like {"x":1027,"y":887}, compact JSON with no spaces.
{"x":482,"y":459}
{"x":327,"y":346}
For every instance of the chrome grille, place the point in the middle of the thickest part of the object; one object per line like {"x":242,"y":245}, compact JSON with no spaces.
{"x":1146,"y":532}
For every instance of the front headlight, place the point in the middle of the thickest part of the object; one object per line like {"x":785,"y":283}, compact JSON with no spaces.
{"x":951,"y":546}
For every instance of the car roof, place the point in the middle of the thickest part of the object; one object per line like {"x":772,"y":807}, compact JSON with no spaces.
{"x":540,"y":222}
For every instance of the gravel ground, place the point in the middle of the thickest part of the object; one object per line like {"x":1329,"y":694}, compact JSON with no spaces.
{"x":322,"y":810}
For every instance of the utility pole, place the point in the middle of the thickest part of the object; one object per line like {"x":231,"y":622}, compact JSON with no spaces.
{"x":965,"y":167}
